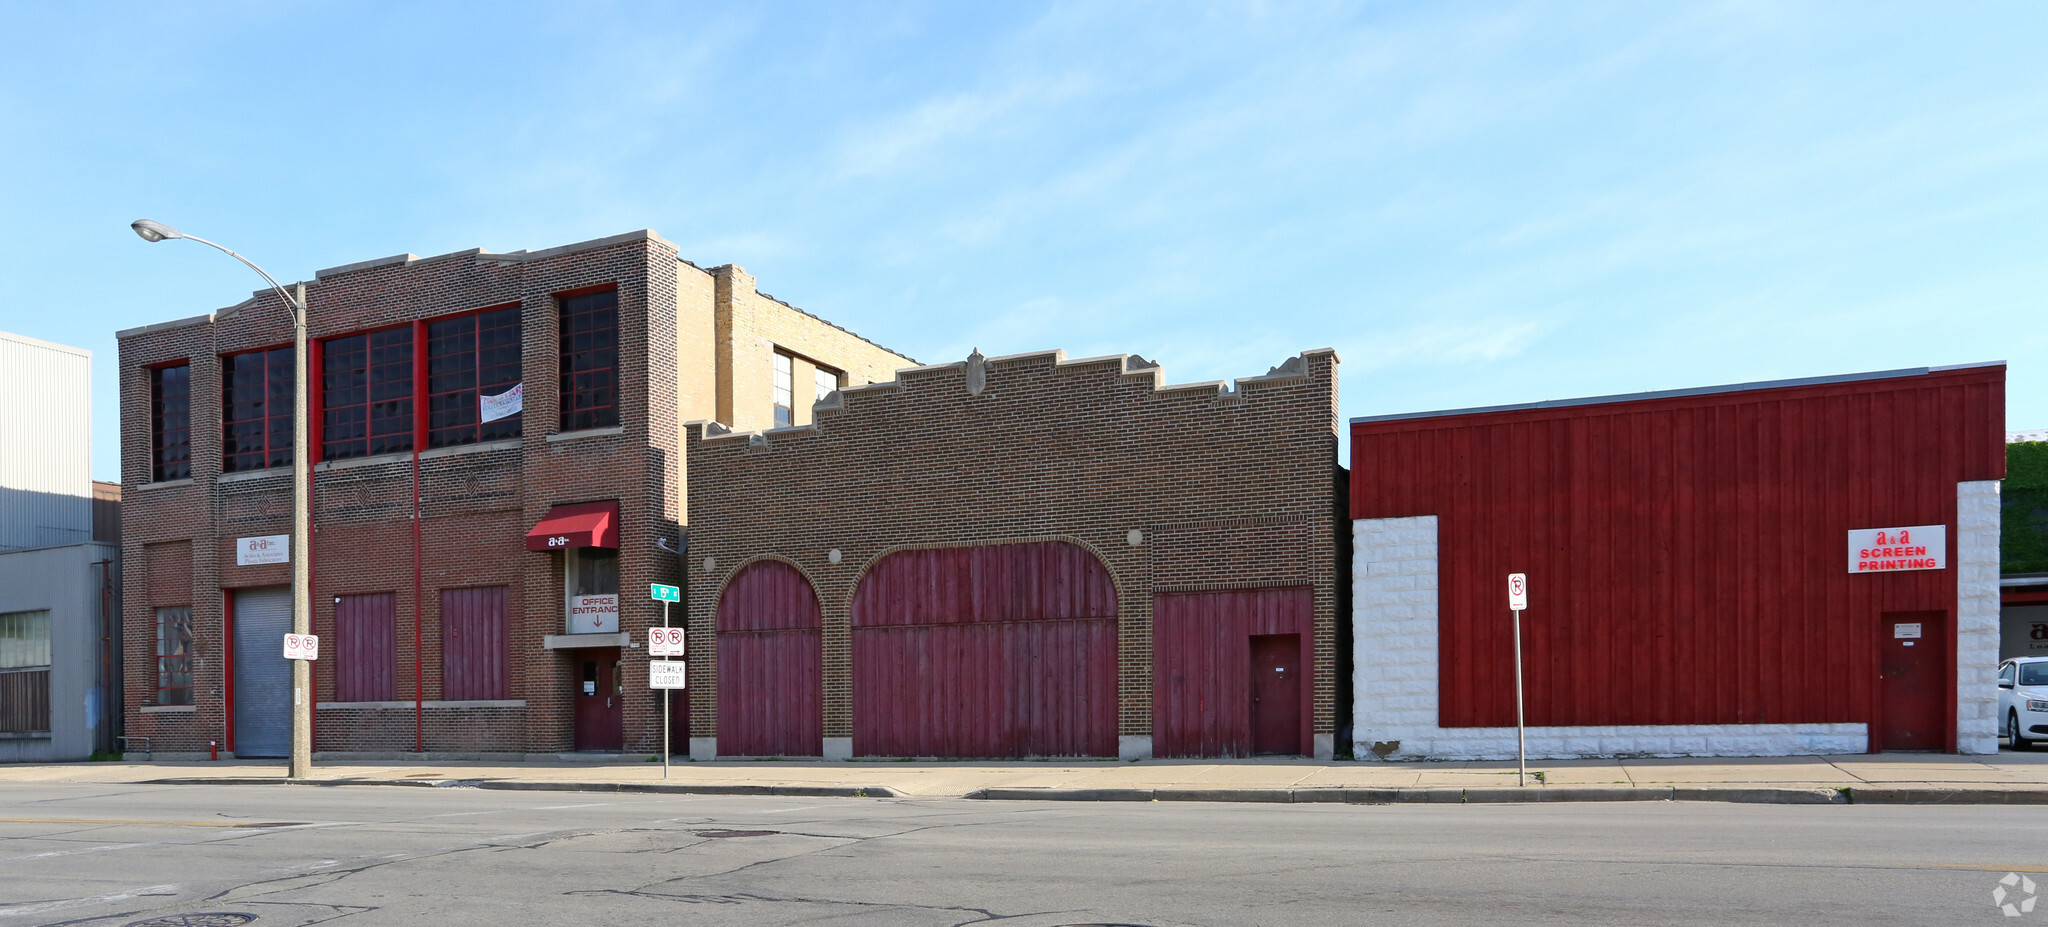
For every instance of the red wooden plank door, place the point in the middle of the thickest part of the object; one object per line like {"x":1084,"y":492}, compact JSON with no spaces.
{"x":997,"y":651}
{"x":474,"y":644}
{"x":1912,"y":680}
{"x":364,"y":654}
{"x":771,"y":680}
{"x":1276,"y":693}
{"x":1204,"y":670}
{"x":600,"y":709}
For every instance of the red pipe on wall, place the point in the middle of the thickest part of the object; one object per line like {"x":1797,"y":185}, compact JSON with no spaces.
{"x":419,"y":437}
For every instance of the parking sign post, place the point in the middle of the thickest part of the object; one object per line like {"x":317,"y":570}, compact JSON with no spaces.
{"x":1518,"y":599}
{"x":664,"y":595}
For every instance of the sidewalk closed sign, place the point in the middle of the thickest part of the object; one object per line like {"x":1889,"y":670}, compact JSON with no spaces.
{"x":1893,"y":550}
{"x":665,"y":674}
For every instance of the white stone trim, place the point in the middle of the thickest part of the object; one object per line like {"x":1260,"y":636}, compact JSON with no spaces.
{"x":1395,"y":682}
{"x":1977,"y":524}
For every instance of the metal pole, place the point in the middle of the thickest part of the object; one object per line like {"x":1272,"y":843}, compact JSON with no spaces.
{"x":667,"y":699}
{"x":1521,"y":738}
{"x":302,"y":559}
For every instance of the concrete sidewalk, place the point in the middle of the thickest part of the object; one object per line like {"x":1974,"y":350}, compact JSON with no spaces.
{"x":2008,"y":778}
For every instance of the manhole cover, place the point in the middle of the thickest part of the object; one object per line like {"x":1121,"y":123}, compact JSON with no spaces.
{"x":204,"y":919}
{"x":736,"y":833}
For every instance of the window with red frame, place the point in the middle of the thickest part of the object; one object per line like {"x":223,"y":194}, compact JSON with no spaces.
{"x":256,"y":410}
{"x":468,"y":357}
{"x":366,"y":394}
{"x":590,"y":360}
{"x":170,"y":423}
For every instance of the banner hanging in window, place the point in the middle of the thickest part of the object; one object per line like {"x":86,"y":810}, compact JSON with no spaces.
{"x":503,"y":405}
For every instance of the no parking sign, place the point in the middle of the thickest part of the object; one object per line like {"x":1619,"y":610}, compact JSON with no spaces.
{"x":665,"y":642}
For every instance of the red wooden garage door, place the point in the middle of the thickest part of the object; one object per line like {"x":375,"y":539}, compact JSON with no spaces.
{"x":771,"y":695}
{"x":1202,"y":667}
{"x":998,"y":651}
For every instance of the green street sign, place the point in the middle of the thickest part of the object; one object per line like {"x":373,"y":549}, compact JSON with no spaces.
{"x":667,"y":593}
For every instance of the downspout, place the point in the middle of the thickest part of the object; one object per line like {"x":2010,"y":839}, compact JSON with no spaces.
{"x":419,"y":437}
{"x":108,"y":733}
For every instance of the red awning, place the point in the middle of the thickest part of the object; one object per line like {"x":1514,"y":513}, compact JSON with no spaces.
{"x":584,"y":524}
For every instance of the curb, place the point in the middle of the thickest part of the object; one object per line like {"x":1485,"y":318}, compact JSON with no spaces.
{"x":520,"y":785}
{"x":1502,"y":795}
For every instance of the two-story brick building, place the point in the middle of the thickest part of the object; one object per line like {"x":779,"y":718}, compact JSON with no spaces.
{"x":497,"y":451}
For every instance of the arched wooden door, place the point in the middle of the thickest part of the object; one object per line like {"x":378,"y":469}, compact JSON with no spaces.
{"x":996,"y":651}
{"x":771,"y":685}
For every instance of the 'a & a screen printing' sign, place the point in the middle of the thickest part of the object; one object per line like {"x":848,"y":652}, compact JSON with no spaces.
{"x":1892,"y":550}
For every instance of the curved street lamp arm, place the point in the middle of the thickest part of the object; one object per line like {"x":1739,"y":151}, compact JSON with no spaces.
{"x":298,"y":309}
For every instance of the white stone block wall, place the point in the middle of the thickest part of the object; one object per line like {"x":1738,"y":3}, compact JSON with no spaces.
{"x":1395,"y":683}
{"x":1976,"y":566}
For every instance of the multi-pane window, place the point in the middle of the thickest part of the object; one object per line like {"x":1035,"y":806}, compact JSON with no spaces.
{"x":470,"y":357}
{"x":366,"y":394}
{"x":170,"y":423}
{"x":174,"y":656}
{"x":24,"y":672}
{"x":785,"y":390}
{"x":590,"y":360}
{"x":256,"y":409}
{"x":825,"y":380}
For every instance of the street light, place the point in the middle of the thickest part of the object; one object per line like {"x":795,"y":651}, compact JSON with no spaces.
{"x":302,"y":514}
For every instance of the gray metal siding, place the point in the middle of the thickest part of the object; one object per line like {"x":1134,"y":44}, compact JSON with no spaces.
{"x":45,"y":443}
{"x":263,"y":677}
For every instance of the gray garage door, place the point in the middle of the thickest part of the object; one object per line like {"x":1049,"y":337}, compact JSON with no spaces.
{"x":263,"y":677}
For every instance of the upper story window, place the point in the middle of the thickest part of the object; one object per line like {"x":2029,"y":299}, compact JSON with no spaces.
{"x":824,"y":380}
{"x":256,"y":409}
{"x":785,"y":390}
{"x":366,"y":394}
{"x":471,"y":358}
{"x":590,"y":360}
{"x":170,"y":423}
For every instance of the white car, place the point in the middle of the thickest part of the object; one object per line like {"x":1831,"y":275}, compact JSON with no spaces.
{"x":2023,"y":700}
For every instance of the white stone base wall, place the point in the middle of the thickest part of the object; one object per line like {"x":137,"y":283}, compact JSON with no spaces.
{"x":1977,"y":530}
{"x":1395,"y":682}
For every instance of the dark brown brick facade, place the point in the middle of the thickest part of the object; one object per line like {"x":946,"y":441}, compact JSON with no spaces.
{"x":1226,"y":487}
{"x":475,"y":502}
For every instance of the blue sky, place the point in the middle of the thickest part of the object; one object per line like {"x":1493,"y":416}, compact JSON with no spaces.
{"x":1474,"y":204}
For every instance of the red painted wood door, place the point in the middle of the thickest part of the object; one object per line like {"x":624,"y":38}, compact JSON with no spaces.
{"x":1912,"y":681}
{"x":771,"y":668}
{"x":1276,"y":693}
{"x":1201,"y":648}
{"x":999,"y":651}
{"x":600,"y":703}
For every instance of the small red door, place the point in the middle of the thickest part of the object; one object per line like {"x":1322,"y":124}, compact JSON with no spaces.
{"x":1276,"y":693}
{"x":1912,"y":679}
{"x":600,"y":702}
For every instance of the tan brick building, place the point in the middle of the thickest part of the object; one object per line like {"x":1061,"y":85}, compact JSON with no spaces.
{"x":497,"y":479}
{"x":1024,"y":555}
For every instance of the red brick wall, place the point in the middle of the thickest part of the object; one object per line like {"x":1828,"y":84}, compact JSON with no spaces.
{"x":475,"y":503}
{"x":1230,"y":489}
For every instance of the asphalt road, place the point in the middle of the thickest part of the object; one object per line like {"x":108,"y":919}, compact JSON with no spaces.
{"x":360,"y":855}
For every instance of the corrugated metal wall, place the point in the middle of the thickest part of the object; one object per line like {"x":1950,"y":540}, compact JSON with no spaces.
{"x":365,"y":628}
{"x":1686,"y":556}
{"x":473,"y":644}
{"x":45,"y":443}
{"x":1201,"y":666}
{"x":996,"y":651}
{"x":263,"y":677}
{"x":771,"y":682}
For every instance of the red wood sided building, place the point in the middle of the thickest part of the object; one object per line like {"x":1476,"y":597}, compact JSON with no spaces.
{"x":1697,"y":570}
{"x":1023,"y":556}
{"x":472,"y":559}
